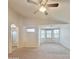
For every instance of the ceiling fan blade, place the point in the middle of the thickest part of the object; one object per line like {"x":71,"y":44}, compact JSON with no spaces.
{"x":30,"y":1}
{"x":36,"y":11}
{"x":53,"y":5}
{"x":40,"y":1}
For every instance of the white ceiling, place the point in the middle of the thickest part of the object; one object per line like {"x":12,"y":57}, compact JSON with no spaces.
{"x":61,"y":13}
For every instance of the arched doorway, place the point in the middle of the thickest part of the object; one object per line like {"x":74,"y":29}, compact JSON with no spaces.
{"x":14,"y":36}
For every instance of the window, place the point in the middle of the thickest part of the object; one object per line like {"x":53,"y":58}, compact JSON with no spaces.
{"x":30,"y":30}
{"x":48,"y":32}
{"x":56,"y":33}
{"x":13,"y":26}
{"x":14,"y":36}
{"x":42,"y":32}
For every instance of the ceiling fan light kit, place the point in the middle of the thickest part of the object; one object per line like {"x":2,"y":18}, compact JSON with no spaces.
{"x":43,"y":4}
{"x":42,"y":9}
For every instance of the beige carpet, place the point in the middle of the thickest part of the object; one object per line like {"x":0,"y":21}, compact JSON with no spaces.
{"x":45,"y":51}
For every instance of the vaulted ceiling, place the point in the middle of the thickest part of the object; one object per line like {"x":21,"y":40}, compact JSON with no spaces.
{"x":61,"y":13}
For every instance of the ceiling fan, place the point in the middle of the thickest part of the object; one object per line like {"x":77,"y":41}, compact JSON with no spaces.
{"x":43,"y":4}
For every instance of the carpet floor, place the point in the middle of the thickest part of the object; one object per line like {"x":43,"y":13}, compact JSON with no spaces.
{"x":45,"y":51}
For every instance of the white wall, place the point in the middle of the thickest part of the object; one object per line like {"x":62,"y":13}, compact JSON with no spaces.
{"x":29,"y":39}
{"x":65,"y":36}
